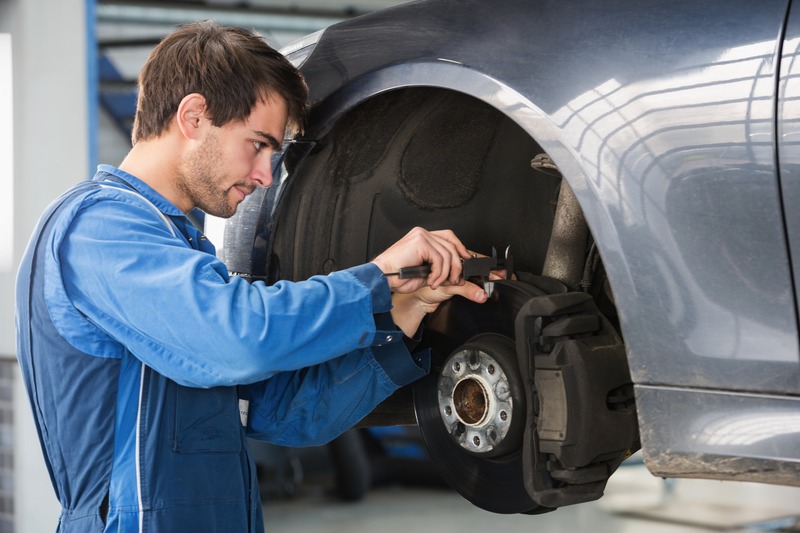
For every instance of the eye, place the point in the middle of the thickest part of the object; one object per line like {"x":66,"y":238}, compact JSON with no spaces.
{"x":259,"y":145}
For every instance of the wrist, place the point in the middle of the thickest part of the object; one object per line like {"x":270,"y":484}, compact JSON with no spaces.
{"x":384,"y":267}
{"x":407,"y":313}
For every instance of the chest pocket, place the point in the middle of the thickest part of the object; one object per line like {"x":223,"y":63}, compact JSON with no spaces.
{"x":206,"y":420}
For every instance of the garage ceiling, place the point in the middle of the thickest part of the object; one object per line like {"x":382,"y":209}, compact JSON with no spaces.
{"x":127,"y":27}
{"x":126,"y":32}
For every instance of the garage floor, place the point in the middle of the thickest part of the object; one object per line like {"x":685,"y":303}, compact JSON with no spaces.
{"x":634,"y":502}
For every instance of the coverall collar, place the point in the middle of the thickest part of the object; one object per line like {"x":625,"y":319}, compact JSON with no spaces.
{"x":164,"y":205}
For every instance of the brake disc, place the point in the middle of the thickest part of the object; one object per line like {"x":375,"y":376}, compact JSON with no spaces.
{"x":471,"y":407}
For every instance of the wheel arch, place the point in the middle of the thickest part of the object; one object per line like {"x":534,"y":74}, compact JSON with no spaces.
{"x":522,"y":110}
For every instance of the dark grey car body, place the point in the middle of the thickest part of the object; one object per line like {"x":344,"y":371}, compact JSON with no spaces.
{"x":675,"y":124}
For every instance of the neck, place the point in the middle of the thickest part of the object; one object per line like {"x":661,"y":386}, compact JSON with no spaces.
{"x":156,"y":163}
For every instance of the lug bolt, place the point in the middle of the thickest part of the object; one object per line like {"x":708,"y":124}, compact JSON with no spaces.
{"x":503,"y":416}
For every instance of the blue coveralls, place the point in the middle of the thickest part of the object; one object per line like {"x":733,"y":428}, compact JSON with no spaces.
{"x":137,"y":351}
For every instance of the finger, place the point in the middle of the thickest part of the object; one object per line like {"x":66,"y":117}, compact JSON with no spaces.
{"x":432,"y":256}
{"x":468,"y":290}
{"x":497,"y":274}
{"x":455,"y":266}
{"x":441,"y":261}
{"x":457,"y":252}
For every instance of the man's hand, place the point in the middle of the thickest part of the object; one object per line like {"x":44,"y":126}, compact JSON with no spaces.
{"x":409,"y":309}
{"x":441,"y":249}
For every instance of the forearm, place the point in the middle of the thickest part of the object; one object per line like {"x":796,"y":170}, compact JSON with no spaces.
{"x":315,"y":405}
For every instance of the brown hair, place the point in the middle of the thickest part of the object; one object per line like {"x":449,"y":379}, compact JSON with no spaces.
{"x":232,"y":68}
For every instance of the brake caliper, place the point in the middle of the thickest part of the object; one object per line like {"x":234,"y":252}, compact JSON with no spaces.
{"x":581,"y":418}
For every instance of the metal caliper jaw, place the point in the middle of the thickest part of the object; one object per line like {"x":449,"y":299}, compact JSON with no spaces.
{"x":581,"y":417}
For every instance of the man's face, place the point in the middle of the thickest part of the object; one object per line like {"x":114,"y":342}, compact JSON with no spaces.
{"x":232,"y":160}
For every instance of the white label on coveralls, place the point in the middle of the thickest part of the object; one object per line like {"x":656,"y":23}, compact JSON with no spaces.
{"x":244,"y":410}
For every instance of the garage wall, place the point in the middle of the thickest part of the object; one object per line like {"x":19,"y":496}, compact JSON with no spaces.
{"x":51,"y":127}
{"x":50,"y":152}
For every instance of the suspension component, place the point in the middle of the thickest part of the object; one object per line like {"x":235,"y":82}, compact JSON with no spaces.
{"x":565,"y":253}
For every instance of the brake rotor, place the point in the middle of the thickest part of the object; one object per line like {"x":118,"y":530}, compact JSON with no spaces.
{"x":471,"y":407}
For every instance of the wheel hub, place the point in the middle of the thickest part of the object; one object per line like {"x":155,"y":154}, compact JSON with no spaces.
{"x":475,"y":400}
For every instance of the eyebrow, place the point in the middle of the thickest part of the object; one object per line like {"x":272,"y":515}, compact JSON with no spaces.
{"x":273,"y":143}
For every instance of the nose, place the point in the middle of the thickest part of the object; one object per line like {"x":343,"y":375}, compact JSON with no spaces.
{"x":262,"y":173}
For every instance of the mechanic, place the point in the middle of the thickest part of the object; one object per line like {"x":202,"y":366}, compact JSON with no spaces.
{"x":146,"y":365}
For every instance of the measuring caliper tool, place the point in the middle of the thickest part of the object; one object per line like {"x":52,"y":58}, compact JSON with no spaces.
{"x":476,"y":268}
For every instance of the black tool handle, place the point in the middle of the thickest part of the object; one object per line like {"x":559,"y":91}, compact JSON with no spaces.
{"x":421,"y":271}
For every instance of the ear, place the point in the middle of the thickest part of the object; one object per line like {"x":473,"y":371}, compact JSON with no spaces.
{"x":191,"y":116}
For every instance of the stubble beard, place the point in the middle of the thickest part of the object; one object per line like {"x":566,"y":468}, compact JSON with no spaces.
{"x":200,"y":177}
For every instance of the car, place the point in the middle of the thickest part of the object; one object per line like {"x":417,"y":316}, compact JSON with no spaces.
{"x":632,"y":166}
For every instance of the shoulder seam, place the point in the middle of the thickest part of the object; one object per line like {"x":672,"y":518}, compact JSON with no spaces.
{"x":148,"y":202}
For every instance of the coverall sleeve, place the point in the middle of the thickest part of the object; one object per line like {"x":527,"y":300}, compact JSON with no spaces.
{"x":315,"y":405}
{"x":175,"y":308}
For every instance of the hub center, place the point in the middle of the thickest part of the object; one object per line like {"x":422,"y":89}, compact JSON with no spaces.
{"x":470,"y":400}
{"x":475,"y":401}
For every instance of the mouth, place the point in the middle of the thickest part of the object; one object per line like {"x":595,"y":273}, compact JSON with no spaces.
{"x":243,"y":192}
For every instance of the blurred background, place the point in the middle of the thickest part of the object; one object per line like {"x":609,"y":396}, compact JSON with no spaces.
{"x":67,"y":97}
